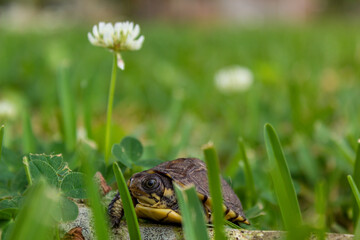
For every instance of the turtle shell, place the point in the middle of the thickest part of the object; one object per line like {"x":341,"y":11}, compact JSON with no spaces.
{"x":187,"y":171}
{"x":159,"y":202}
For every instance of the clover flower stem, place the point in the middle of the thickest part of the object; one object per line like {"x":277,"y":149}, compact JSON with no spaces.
{"x":109,"y":110}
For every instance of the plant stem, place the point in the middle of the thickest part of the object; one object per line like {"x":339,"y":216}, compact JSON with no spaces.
{"x":2,"y":129}
{"x":27,"y":170}
{"x":109,"y":110}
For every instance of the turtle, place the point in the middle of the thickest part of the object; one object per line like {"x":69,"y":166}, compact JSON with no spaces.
{"x":153,"y":195}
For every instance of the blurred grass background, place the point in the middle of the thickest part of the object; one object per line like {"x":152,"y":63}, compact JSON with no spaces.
{"x":306,"y":84}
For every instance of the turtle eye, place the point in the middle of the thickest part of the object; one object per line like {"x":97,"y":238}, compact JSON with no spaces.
{"x":150,"y":183}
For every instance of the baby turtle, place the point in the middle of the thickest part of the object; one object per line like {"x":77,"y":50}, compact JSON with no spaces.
{"x":154,"y":198}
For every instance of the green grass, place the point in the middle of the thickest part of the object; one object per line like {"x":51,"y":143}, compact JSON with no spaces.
{"x":192,"y":213}
{"x":305,"y":84}
{"x":356,"y":193}
{"x":1,"y":139}
{"x":251,"y":195}
{"x":283,"y":183}
{"x":29,"y":141}
{"x":356,"y":175}
{"x":131,"y":219}
{"x":67,"y":105}
{"x":93,"y":194}
{"x":35,"y":218}
{"x":212,"y":164}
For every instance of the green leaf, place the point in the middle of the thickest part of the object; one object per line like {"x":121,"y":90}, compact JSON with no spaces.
{"x":40,"y":169}
{"x":68,"y":210}
{"x":118,"y":151}
{"x":284,"y":187}
{"x":129,"y":211}
{"x":193,"y":219}
{"x":73,"y":185}
{"x":4,"y":224}
{"x":19,"y":181}
{"x":12,"y":159}
{"x":213,"y":171}
{"x":55,"y":161}
{"x":6,"y":227}
{"x":129,"y":151}
{"x":9,"y":208}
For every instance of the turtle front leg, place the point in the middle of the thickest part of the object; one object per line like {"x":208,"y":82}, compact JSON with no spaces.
{"x":116,"y":211}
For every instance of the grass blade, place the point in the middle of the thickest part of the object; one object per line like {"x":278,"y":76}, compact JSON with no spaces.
{"x":93,"y":194}
{"x":174,"y":115}
{"x":354,"y":189}
{"x":129,"y":211}
{"x":320,"y":205}
{"x":345,"y":150}
{"x":309,"y":165}
{"x":284,"y":187}
{"x":193,"y":219}
{"x":2,"y":130}
{"x":356,"y":194}
{"x":356,"y":179}
{"x":88,"y":106}
{"x":250,"y":185}
{"x":67,"y":105}
{"x":357,"y":230}
{"x":212,"y":164}
{"x":186,"y":131}
{"x":28,"y":135}
{"x":35,"y":219}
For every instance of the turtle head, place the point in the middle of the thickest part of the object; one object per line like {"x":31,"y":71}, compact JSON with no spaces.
{"x":146,"y":188}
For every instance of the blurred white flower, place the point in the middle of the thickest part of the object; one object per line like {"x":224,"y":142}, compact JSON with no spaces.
{"x":120,"y":37}
{"x":7,"y":110}
{"x":233,"y":79}
{"x":81,"y":136}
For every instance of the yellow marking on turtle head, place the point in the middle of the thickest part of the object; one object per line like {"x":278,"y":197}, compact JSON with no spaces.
{"x":157,"y":197}
{"x":145,"y":200}
{"x":157,"y":214}
{"x":168,"y":192}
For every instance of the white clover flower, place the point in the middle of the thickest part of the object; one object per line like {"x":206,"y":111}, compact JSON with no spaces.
{"x":233,"y":79}
{"x":122,"y":36}
{"x":7,"y":110}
